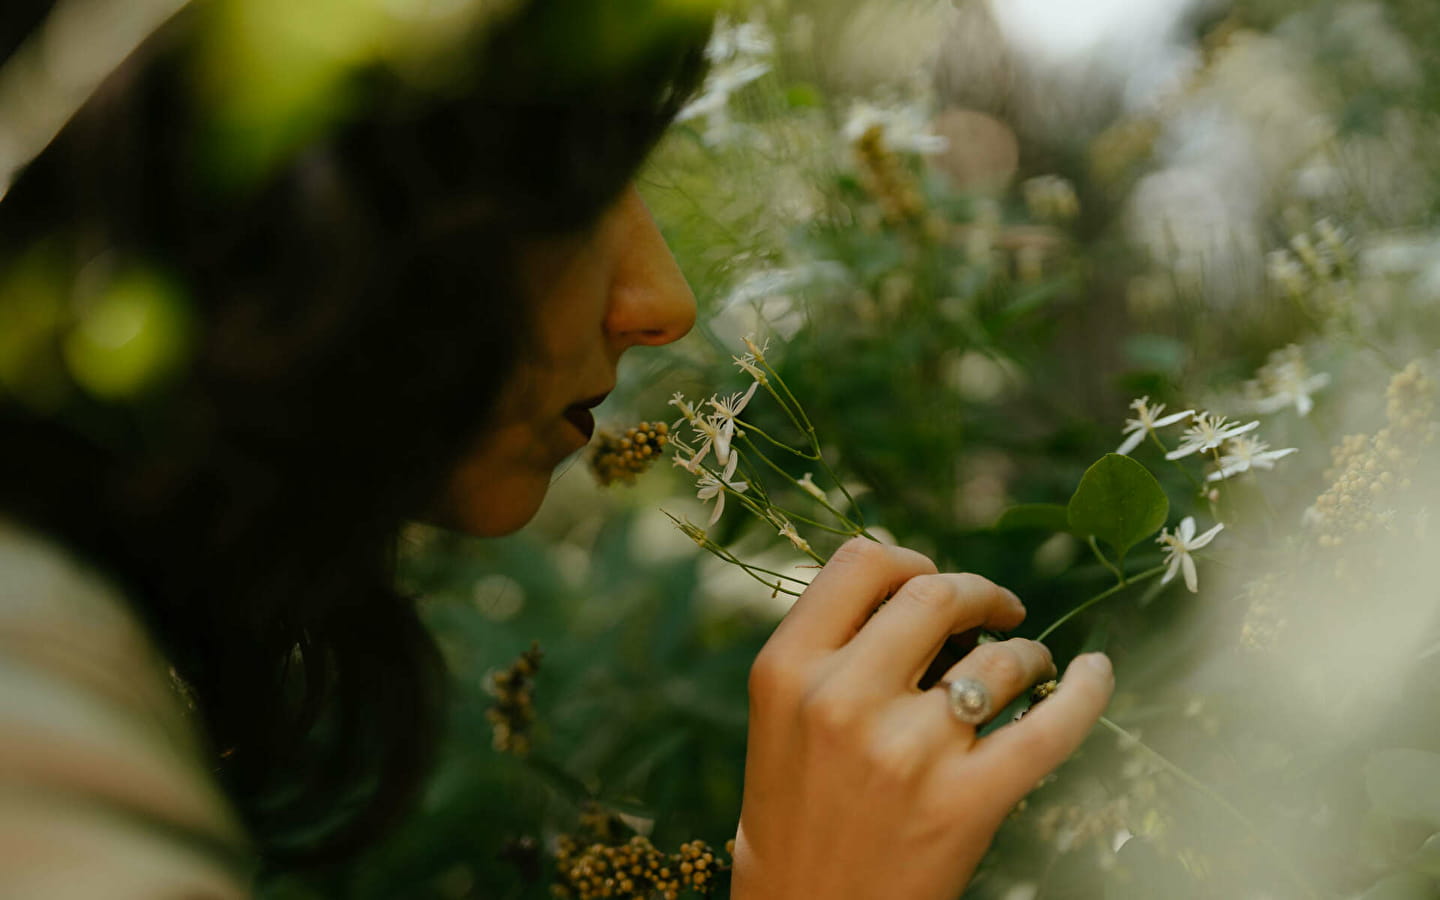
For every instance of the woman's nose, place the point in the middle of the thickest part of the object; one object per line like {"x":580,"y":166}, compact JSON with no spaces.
{"x":650,"y":302}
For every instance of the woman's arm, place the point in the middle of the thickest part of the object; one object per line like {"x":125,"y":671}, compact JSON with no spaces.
{"x":860,"y":786}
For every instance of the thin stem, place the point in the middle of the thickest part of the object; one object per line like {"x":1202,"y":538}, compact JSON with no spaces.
{"x":796,"y":482}
{"x":1295,"y":874}
{"x":1198,"y":485}
{"x":809,"y":430}
{"x":1143,"y":576}
{"x":747,"y":427}
{"x":1105,"y":561}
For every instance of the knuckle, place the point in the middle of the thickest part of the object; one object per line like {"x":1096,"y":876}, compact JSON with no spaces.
{"x":929,"y":592}
{"x":770,"y":676}
{"x":894,"y":761}
{"x":860,"y":551}
{"x":827,"y":714}
{"x":1003,"y":666}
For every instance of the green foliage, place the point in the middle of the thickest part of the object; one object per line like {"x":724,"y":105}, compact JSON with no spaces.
{"x":1035,"y":516}
{"x":1119,"y":502}
{"x":1405,"y":784}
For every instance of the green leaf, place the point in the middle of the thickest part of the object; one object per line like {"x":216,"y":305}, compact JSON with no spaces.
{"x":1401,"y":886}
{"x":1041,"y":516}
{"x":1405,"y":784}
{"x":1427,"y":858}
{"x":1119,"y":502}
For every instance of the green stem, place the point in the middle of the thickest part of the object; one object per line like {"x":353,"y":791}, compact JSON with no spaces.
{"x":1295,"y":874}
{"x":795,"y":481}
{"x":1104,"y":561}
{"x":1198,"y":485}
{"x":1143,"y":576}
{"x":748,"y":427}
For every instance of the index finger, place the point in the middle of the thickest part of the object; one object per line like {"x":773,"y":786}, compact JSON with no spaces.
{"x":1019,"y":755}
{"x":842,"y":596}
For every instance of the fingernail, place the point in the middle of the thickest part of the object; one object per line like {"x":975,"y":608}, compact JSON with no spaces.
{"x":1098,"y":662}
{"x":1013,"y":596}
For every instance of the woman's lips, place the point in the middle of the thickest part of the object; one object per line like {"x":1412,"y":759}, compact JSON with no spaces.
{"x":582,"y":419}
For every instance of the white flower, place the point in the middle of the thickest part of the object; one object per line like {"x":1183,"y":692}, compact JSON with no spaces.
{"x":747,"y":365}
{"x":713,"y":103}
{"x":1206,"y":432}
{"x":808,"y":485}
{"x":1247,"y":453}
{"x":1178,"y":547}
{"x":1286,"y":381}
{"x":904,"y":127}
{"x":787,"y":531}
{"x":729,"y":40}
{"x":724,"y":424}
{"x":1146,"y":421}
{"x":678,"y":401}
{"x":1286,"y":272}
{"x":712,"y":488}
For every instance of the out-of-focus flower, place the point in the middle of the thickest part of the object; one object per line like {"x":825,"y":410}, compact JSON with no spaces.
{"x":808,"y":485}
{"x":1286,"y":272}
{"x":1178,"y":547}
{"x":1146,"y":421}
{"x":1051,"y":198}
{"x":904,"y":129}
{"x":1206,"y":432}
{"x":739,"y":55}
{"x":713,"y":488}
{"x":1286,"y":381}
{"x":730,"y":40}
{"x":1247,"y":453}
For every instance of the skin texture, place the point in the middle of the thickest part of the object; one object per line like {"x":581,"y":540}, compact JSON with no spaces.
{"x":598,"y":294}
{"x":858,"y":785}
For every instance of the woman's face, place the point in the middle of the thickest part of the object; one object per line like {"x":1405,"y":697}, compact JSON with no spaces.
{"x":594,"y":296}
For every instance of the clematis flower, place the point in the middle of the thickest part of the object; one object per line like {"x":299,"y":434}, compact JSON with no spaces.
{"x":787,"y":531}
{"x":808,"y":485}
{"x":1206,"y":432}
{"x":1146,"y":421}
{"x":721,"y":426}
{"x":1178,"y":547}
{"x":747,"y":365}
{"x":1246,"y":453}
{"x":713,"y":488}
{"x":1287,"y":381}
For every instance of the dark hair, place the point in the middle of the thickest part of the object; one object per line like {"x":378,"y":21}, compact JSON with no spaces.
{"x":354,"y":317}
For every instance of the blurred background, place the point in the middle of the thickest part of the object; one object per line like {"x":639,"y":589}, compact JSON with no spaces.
{"x":972,"y":233}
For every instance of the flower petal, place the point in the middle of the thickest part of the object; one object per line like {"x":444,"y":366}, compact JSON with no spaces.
{"x":1192,"y":580}
{"x":1131,"y":442}
{"x":1172,"y":419}
{"x":1205,"y":538}
{"x":1174,"y":567}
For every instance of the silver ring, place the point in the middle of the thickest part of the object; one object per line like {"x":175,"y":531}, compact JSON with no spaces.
{"x":969,"y":700}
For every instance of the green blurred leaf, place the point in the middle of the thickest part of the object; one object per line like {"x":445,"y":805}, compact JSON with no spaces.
{"x":1405,"y":784}
{"x":1401,"y":886}
{"x":1427,"y":858}
{"x":1119,"y":502}
{"x":1039,"y":516}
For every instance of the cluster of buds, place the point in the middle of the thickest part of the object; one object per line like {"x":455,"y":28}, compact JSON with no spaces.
{"x":886,"y":179}
{"x":1369,"y":470}
{"x":624,"y":457}
{"x":634,"y":870}
{"x":513,"y":712}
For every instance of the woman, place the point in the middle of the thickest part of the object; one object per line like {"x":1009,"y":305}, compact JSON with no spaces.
{"x":402,"y":311}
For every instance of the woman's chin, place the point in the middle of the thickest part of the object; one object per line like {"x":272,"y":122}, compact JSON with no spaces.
{"x":500,"y":510}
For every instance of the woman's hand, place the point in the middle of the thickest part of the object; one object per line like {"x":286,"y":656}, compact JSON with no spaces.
{"x":860,"y":785}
